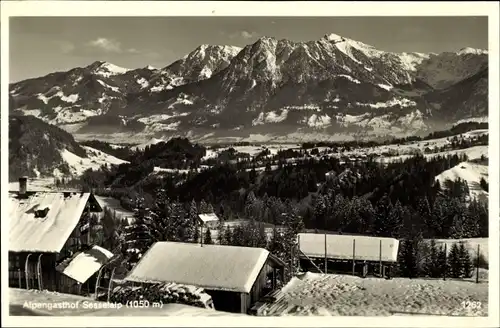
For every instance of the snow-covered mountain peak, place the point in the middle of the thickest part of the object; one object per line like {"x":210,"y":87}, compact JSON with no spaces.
{"x":266,"y":41}
{"x":107,"y":69}
{"x":334,"y":37}
{"x":346,"y":45}
{"x":207,"y":49}
{"x":469,"y":50}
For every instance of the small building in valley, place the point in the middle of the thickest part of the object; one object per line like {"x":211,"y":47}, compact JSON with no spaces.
{"x":235,"y":277}
{"x":209,"y":220}
{"x":51,"y":230}
{"x":333,"y":253}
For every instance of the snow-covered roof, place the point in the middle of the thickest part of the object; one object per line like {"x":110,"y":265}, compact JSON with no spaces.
{"x":341,"y":247}
{"x":215,"y":267}
{"x":208,"y":217}
{"x":48,"y":234}
{"x":85,"y":263}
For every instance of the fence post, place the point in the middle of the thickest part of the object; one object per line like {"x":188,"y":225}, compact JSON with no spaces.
{"x":326,"y":258}
{"x":201,"y":234}
{"x":445,"y":261}
{"x":477,"y":265}
{"x":380,"y":257}
{"x":299,"y":253}
{"x":353,"y":256}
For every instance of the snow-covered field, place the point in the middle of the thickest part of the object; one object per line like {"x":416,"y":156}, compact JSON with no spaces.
{"x":94,"y":160}
{"x":84,"y":306}
{"x":472,"y":174}
{"x":403,"y":151}
{"x":327,"y":294}
{"x":251,"y":150}
{"x":472,"y":153}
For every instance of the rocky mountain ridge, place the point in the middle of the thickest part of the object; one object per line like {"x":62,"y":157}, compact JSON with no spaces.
{"x":331,"y":88}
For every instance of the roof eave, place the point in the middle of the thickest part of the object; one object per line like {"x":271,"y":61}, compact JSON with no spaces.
{"x":34,"y":251}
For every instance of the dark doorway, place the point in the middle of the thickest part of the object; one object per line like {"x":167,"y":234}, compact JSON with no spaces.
{"x":225,"y":301}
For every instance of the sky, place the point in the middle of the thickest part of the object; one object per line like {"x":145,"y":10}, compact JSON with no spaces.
{"x":42,"y":45}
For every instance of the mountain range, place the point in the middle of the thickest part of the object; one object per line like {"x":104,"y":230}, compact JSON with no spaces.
{"x":334,"y":88}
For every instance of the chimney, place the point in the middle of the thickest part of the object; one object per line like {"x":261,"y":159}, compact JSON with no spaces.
{"x":23,"y":186}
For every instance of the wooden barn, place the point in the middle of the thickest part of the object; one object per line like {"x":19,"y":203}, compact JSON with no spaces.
{"x":235,"y":277}
{"x":49,"y":240}
{"x":359,"y":255}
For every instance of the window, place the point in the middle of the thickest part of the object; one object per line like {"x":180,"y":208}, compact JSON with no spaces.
{"x":41,"y":213}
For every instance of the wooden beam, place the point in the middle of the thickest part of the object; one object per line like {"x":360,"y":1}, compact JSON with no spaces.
{"x":307,"y":257}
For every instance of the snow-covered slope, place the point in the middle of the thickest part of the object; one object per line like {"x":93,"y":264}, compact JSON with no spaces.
{"x":94,"y":160}
{"x":41,"y":150}
{"x":200,"y":64}
{"x":472,"y":173}
{"x":152,"y":141}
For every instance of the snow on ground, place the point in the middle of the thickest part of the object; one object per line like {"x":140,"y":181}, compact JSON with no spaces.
{"x":84,"y":306}
{"x":252,"y":150}
{"x":115,"y":89}
{"x":143,"y":82}
{"x":472,"y":153}
{"x":482,"y":119}
{"x":470,"y":172}
{"x":391,"y":103}
{"x":422,"y":145}
{"x":95,"y":160}
{"x":153,"y":141}
{"x":350,"y":78}
{"x":157,"y":170}
{"x":313,"y":294}
{"x":271,"y":117}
